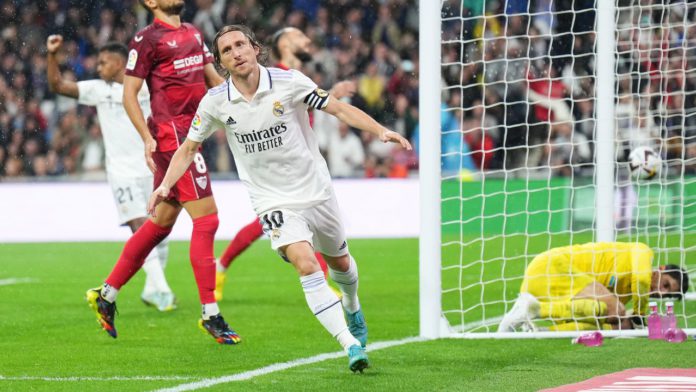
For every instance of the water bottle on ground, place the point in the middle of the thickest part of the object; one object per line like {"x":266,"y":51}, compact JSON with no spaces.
{"x":675,"y":335}
{"x":654,"y":322}
{"x":669,"y":320}
{"x":591,"y":339}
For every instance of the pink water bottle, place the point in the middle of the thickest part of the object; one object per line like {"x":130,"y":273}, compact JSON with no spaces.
{"x":591,"y":339}
{"x":675,"y":335}
{"x":654,"y":322}
{"x":669,"y":320}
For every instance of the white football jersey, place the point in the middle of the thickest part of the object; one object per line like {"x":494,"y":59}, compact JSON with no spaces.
{"x":273,"y":145}
{"x":125,"y":151}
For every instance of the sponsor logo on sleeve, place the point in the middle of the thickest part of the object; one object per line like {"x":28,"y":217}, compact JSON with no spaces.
{"x":132,"y":59}
{"x":322,"y":93}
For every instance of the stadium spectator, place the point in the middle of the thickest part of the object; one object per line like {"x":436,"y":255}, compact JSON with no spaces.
{"x":585,"y":287}
{"x":172,"y":57}
{"x":345,"y":152}
{"x":128,"y":175}
{"x":480,"y":132}
{"x":294,"y":198}
{"x":690,"y":159}
{"x":654,"y":54}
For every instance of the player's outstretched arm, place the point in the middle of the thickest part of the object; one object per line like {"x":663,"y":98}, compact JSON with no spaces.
{"x":56,"y":83}
{"x":356,"y":118}
{"x":177,"y":167}
{"x":131,"y":87}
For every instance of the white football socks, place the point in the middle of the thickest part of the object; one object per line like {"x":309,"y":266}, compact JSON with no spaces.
{"x":323,"y":303}
{"x":163,"y":252}
{"x":209,"y":310}
{"x":109,"y":293}
{"x":347,"y":282}
{"x":219,"y":267}
{"x":155,"y":280}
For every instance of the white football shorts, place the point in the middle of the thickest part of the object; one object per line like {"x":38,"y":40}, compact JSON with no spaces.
{"x":131,"y":195}
{"x":320,"y":225}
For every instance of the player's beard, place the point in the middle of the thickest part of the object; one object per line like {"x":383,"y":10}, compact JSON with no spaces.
{"x":303,"y":56}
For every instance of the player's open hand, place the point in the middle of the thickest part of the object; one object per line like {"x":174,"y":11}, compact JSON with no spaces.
{"x":54,"y":42}
{"x":150,"y":147}
{"x":391,"y":136}
{"x":157,"y":197}
{"x":342,"y":89}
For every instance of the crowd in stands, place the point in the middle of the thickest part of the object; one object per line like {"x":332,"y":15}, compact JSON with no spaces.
{"x":522,"y":97}
{"x":373,"y":43}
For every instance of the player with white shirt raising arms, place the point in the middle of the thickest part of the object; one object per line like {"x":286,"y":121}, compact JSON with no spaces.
{"x":127,"y":173}
{"x":264,"y":114}
{"x":291,"y":48}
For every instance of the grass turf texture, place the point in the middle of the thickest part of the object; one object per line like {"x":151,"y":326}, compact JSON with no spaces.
{"x":47,"y":330}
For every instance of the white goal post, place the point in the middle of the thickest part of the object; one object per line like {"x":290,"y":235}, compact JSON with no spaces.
{"x":527,"y":113}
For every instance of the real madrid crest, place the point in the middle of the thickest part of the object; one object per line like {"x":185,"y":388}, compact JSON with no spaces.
{"x":278,"y":109}
{"x":275,"y":234}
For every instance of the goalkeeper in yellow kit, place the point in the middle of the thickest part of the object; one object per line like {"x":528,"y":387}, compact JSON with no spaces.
{"x":586,"y":287}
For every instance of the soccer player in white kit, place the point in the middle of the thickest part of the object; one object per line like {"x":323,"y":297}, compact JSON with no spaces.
{"x":127,"y":173}
{"x":264,"y":114}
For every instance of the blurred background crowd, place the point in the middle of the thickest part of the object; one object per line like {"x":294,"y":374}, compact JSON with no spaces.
{"x":523,"y":97}
{"x":373,"y":43}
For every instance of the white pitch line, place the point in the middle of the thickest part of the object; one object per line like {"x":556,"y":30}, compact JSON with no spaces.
{"x":11,"y":281}
{"x":115,"y":378}
{"x":461,"y":328}
{"x":276,"y":367}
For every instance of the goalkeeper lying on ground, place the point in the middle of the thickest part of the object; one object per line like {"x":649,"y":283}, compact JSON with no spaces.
{"x":586,"y":287}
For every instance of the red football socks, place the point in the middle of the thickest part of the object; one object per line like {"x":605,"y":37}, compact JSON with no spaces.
{"x":138,"y":246}
{"x":202,"y":257}
{"x":322,"y":264}
{"x":246,"y":236}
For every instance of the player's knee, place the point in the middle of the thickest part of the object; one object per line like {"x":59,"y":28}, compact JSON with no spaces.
{"x":306,"y":265}
{"x":135,"y":224}
{"x":338,"y":263}
{"x":206,"y":224}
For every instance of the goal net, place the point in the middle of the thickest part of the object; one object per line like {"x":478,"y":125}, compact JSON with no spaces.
{"x":528,"y":163}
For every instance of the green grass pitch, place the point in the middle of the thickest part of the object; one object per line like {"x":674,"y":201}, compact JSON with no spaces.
{"x":47,"y":331}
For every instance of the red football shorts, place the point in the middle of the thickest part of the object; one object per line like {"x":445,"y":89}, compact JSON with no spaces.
{"x":193,"y":185}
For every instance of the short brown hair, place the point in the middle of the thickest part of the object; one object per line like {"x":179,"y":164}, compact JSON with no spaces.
{"x":262,"y":56}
